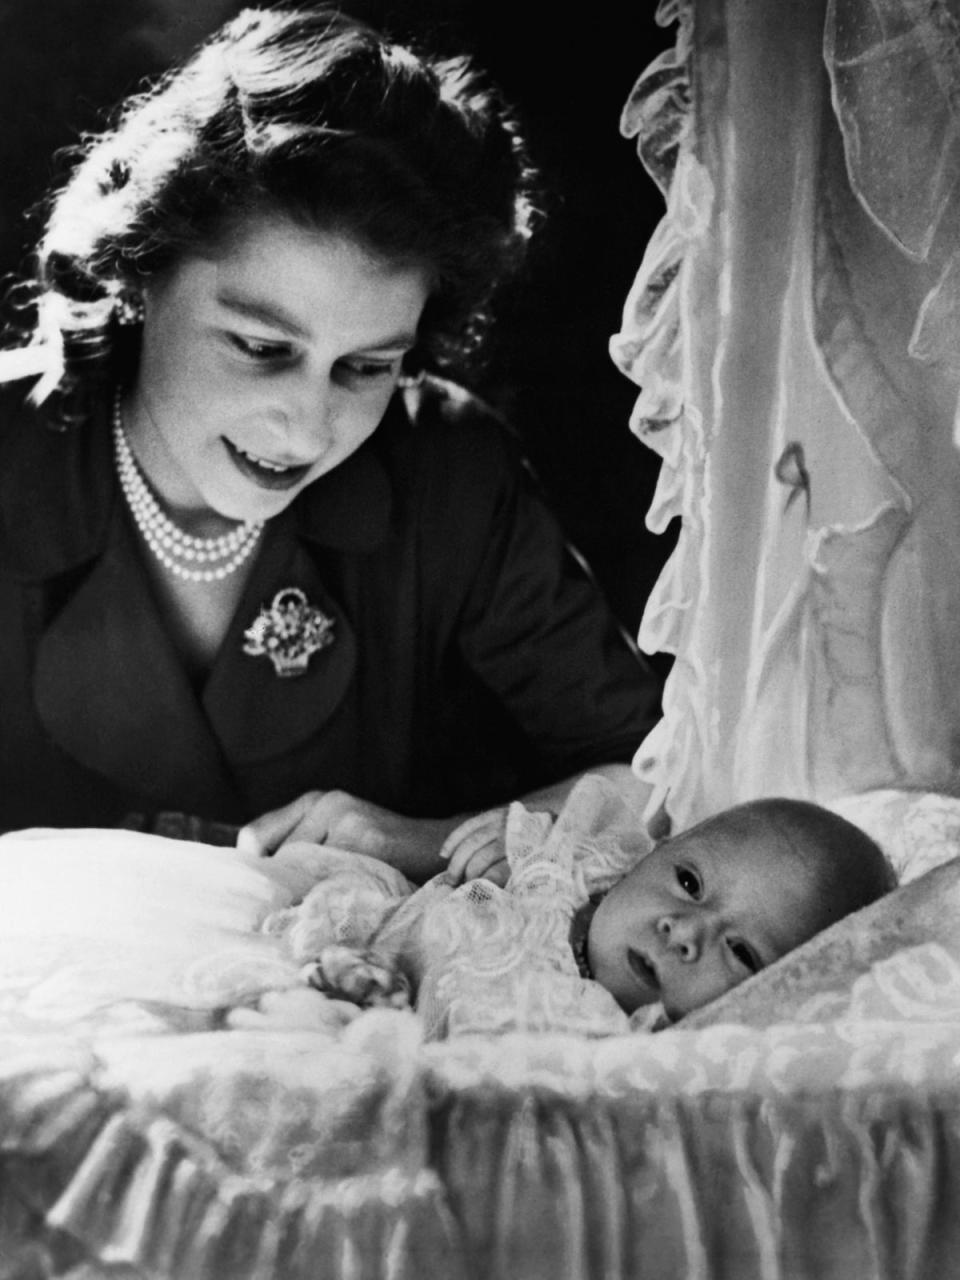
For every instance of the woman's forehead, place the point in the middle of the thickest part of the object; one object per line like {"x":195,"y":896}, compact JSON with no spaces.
{"x":301,"y":281}
{"x":250,"y":235}
{"x":250,"y":232}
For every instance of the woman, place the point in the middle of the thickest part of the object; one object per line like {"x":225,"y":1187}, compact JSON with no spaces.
{"x":258,"y":576}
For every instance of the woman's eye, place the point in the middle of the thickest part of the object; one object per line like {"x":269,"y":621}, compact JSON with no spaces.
{"x":366,"y":370}
{"x":689,"y":882}
{"x":255,"y":349}
{"x":746,"y":956}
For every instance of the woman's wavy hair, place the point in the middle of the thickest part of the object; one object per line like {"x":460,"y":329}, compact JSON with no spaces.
{"x":305,"y":113}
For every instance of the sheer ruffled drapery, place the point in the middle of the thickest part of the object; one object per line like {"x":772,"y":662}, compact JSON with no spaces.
{"x":794,"y":329}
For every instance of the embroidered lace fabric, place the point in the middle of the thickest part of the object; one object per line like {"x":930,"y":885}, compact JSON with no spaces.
{"x":485,"y":959}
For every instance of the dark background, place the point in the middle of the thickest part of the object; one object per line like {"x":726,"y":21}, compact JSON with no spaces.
{"x":62,"y":62}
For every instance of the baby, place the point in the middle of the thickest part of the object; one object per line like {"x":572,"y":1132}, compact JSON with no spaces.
{"x":716,"y":904}
{"x":589,"y":905}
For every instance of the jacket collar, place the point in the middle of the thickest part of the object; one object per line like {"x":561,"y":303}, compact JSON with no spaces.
{"x":165,"y":740}
{"x":59,"y":493}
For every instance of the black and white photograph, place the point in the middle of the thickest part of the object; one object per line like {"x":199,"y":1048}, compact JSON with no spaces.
{"x":479,"y":680}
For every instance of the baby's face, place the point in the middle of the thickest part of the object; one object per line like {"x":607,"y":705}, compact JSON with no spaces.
{"x":699,"y":914}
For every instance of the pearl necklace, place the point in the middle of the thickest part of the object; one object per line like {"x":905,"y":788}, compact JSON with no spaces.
{"x":177,"y":550}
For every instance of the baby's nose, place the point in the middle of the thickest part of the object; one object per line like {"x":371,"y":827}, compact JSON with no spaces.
{"x":681,"y":935}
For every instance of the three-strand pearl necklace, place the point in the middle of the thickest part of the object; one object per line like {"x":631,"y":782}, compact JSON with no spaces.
{"x":190,"y":558}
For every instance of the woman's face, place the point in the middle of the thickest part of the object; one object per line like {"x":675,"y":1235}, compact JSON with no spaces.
{"x":265,"y":363}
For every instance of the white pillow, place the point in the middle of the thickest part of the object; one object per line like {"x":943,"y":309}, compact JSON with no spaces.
{"x":917,"y":830}
{"x":90,"y":919}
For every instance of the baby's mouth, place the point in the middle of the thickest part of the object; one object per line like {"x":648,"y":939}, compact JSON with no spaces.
{"x":644,"y":969}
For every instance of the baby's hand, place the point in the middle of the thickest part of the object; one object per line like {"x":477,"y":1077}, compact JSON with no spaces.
{"x":297,"y":1009}
{"x":362,"y":977}
{"x":478,"y":849}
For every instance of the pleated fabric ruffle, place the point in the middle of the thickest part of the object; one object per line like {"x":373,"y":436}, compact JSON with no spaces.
{"x":198,"y":1158}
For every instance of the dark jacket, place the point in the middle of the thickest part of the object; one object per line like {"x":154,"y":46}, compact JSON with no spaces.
{"x":473,"y":659}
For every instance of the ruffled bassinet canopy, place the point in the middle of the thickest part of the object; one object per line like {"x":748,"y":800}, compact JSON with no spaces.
{"x":795,"y":330}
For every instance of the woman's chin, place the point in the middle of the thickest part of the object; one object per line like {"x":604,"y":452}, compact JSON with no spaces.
{"x":249,"y":504}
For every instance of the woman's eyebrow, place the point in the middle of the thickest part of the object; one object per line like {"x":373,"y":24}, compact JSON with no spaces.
{"x":278,"y":318}
{"x":265,"y":313}
{"x":396,"y":342}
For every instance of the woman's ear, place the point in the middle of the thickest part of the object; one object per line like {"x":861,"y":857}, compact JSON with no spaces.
{"x":129,"y":306}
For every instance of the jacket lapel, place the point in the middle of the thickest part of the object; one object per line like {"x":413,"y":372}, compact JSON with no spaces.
{"x":110,"y":690}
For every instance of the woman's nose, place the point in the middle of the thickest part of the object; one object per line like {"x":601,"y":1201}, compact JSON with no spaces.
{"x":313,"y":436}
{"x":306,"y":424}
{"x":680,"y":934}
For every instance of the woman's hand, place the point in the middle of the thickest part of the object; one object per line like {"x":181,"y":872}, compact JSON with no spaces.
{"x":412,"y":845}
{"x":467,"y":848}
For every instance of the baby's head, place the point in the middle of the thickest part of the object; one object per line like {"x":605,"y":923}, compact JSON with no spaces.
{"x":712,"y":906}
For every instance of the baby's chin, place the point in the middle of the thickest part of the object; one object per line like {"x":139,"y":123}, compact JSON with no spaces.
{"x":631,"y":1000}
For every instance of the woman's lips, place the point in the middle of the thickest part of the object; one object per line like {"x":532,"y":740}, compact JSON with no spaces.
{"x":643,"y":969}
{"x":263,"y":473}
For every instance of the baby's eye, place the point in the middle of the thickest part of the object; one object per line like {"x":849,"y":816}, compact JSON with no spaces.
{"x":746,"y":956}
{"x":259,"y":349}
{"x":689,"y":882}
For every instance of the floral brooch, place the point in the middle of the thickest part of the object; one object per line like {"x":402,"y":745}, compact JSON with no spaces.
{"x":289,"y":632}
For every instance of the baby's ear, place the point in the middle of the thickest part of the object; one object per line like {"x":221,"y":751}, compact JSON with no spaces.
{"x":660,"y":824}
